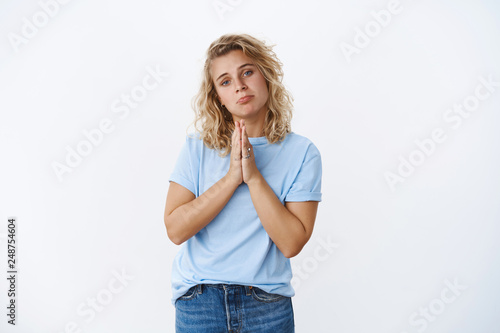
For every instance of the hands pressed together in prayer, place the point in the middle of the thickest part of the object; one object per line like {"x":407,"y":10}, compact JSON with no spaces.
{"x":242,"y":167}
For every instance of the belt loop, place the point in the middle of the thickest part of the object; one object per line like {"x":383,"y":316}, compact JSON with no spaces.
{"x":200,"y":290}
{"x":248,"y":289}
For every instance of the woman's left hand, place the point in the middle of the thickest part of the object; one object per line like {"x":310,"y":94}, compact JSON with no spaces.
{"x":248,"y":166}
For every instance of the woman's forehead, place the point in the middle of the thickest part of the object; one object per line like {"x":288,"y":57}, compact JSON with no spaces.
{"x":229,"y":62}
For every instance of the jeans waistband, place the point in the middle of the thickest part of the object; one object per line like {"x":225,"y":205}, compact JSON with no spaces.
{"x":201,"y":287}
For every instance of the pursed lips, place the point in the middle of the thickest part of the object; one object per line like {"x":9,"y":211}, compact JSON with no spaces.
{"x":244,"y":99}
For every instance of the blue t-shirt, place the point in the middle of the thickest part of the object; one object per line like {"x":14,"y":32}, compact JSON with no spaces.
{"x":234,"y":248}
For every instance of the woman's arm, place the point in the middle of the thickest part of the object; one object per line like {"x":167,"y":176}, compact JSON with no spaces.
{"x":289,"y":226}
{"x":185,"y":215}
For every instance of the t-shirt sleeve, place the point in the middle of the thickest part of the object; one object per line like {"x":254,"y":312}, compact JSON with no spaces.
{"x":307,"y":183}
{"x":183,"y":170}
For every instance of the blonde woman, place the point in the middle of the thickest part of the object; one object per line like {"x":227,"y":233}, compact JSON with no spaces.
{"x":243,"y":196}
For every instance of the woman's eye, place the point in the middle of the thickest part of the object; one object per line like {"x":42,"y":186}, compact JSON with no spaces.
{"x":245,"y":74}
{"x":225,"y":83}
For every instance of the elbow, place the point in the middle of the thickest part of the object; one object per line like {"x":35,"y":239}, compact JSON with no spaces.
{"x":172,"y":235}
{"x":290,"y":255}
{"x":291,"y":251}
{"x":174,"y":239}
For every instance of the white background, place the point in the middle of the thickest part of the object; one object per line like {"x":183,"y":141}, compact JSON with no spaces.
{"x":395,"y":251}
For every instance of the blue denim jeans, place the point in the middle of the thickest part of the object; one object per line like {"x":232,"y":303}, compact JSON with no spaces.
{"x":217,"y":308}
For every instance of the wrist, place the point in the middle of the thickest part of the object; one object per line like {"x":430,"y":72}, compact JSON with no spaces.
{"x":231,"y":181}
{"x":256,"y":180}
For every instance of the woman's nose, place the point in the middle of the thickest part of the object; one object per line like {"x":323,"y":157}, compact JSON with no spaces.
{"x":240,"y":85}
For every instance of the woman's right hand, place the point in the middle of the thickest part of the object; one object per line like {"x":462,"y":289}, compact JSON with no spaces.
{"x":235,"y":173}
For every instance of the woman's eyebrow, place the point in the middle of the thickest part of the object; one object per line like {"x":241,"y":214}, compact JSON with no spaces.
{"x":238,"y":68}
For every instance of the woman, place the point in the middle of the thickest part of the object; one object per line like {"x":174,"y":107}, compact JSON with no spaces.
{"x":243,"y":196}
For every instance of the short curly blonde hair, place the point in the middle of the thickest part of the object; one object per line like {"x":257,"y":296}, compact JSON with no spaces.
{"x":216,"y":121}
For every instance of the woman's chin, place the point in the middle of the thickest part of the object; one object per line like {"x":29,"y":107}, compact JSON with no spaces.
{"x":247,"y":112}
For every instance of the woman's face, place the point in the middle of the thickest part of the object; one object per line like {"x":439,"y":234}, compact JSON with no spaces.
{"x":240,"y":86}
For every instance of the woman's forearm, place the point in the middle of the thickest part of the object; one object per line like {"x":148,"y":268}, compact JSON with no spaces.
{"x":284,"y":228}
{"x":186,"y":220}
